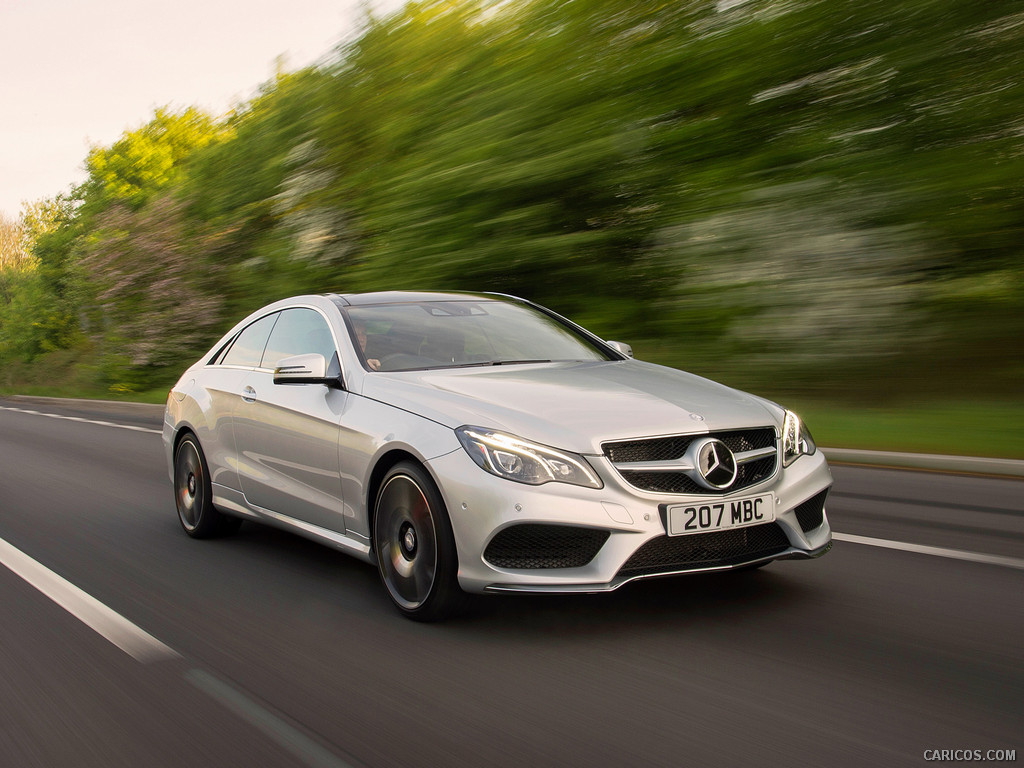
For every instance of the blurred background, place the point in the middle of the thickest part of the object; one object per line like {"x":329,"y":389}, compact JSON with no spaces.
{"x":818,"y":200}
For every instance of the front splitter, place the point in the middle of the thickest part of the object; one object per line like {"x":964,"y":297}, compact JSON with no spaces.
{"x":792,"y":553}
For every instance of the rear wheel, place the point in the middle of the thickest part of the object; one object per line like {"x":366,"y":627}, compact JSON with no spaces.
{"x":193,"y":494}
{"x":414,"y":545}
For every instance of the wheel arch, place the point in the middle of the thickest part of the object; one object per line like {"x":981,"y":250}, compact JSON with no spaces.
{"x":384,"y":465}
{"x":179,"y":435}
{"x":444,"y":596}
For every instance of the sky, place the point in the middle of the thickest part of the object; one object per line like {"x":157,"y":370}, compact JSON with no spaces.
{"x":77,"y":73}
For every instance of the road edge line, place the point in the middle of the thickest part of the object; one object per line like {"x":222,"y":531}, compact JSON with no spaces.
{"x":924,"y":549}
{"x":83,"y":420}
{"x":103,"y":620}
{"x":287,"y":736}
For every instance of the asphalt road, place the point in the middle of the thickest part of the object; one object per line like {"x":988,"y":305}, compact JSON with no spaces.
{"x":289,"y":654}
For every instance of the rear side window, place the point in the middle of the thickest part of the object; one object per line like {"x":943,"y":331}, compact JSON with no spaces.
{"x":248,"y":347}
{"x":299,"y":332}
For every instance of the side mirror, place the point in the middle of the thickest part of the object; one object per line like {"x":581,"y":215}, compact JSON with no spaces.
{"x":618,"y":346}
{"x":303,"y":369}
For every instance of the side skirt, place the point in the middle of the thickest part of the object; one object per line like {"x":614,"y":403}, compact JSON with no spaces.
{"x":233,"y":502}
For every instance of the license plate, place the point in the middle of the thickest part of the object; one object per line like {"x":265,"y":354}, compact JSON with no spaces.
{"x":684,"y":519}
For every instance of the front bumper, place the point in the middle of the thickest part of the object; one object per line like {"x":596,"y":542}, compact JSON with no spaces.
{"x":481,"y":506}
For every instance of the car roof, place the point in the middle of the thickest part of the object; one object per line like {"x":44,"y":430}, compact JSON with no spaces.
{"x":412,"y":297}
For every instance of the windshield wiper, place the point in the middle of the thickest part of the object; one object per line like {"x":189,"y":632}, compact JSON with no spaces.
{"x":484,"y":364}
{"x":518,"y":362}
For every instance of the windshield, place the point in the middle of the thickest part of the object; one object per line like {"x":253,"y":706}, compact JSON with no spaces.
{"x":454,"y":334}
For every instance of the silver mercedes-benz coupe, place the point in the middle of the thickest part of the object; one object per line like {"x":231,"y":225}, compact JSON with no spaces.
{"x":482,"y":443}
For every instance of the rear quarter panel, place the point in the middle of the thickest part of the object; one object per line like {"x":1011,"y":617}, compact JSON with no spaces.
{"x":203,"y":402}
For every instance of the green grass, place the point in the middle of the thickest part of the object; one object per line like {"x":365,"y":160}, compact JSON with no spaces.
{"x":964,"y":428}
{"x":990,"y":426}
{"x":72,"y":373}
{"x":157,"y":396}
{"x":993,"y":429}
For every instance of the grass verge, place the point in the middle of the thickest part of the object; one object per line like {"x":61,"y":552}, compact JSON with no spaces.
{"x":960,"y":428}
{"x":987,"y":426}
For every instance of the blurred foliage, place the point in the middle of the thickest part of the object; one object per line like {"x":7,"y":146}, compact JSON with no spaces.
{"x":821,"y":196}
{"x":13,"y":255}
{"x":146,"y":291}
{"x":144,"y":161}
{"x":34,"y":319}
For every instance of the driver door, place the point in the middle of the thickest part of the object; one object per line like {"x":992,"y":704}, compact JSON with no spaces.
{"x":287,"y":434}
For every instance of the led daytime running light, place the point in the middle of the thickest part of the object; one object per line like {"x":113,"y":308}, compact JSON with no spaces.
{"x":796,"y":439}
{"x":519,"y":460}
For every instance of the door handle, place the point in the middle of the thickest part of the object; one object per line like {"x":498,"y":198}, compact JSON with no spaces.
{"x":249,"y":395}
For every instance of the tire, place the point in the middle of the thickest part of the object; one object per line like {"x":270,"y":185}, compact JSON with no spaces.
{"x":193,"y":494}
{"x":415,"y":547}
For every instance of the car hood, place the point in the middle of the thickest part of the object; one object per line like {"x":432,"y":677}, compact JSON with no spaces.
{"x":573,"y":406}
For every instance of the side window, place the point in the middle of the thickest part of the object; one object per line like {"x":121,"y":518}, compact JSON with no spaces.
{"x":218,"y":358}
{"x":248,"y":347}
{"x":299,"y":332}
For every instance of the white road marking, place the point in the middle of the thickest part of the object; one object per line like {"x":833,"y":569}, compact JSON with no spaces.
{"x":289,"y":737}
{"x":955,"y":554}
{"x":84,"y":421}
{"x":134,"y":641}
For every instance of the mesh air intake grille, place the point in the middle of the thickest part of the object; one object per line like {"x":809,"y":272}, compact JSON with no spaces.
{"x":534,"y":545}
{"x":701,"y":550}
{"x":809,"y":514}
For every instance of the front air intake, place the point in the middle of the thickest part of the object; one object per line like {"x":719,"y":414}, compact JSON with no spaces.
{"x":536,"y":545}
{"x":666,"y":554}
{"x":810,"y":513}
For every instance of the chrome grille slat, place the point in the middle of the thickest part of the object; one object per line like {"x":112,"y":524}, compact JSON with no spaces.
{"x":674,"y":465}
{"x":760,"y":453}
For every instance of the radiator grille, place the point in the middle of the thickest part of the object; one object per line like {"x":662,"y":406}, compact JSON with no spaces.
{"x":668,"y":448}
{"x":664,"y":448}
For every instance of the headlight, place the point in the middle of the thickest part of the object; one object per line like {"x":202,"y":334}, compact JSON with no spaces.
{"x":796,"y":439}
{"x":516,"y":459}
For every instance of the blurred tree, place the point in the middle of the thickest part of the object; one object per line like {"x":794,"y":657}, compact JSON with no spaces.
{"x":244,"y":187}
{"x":144,"y":161}
{"x":811,"y":184}
{"x":482,"y":152}
{"x":33,"y":316}
{"x":157,"y":310}
{"x":43,"y":217}
{"x":12,"y":243}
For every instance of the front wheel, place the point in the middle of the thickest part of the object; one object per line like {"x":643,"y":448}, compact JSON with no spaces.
{"x":193,"y":494}
{"x":415,"y":547}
